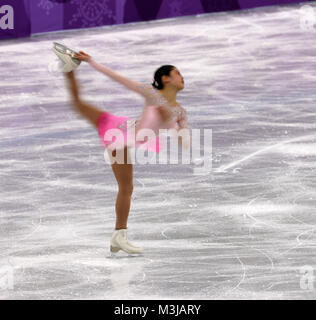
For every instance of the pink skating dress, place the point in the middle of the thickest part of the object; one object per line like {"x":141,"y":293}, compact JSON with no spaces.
{"x":150,"y":119}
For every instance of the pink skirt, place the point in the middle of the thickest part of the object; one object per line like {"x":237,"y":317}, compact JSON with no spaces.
{"x":107,"y":121}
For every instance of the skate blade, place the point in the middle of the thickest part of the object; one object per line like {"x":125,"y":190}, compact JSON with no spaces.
{"x":64,"y":50}
{"x":114,"y":249}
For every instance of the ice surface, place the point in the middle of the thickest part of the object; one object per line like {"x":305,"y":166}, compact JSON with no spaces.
{"x":245,"y":231}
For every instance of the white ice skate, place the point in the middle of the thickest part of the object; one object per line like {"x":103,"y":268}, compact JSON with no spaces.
{"x":67,"y":57}
{"x":119,"y":242}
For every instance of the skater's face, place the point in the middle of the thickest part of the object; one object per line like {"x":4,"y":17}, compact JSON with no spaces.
{"x":175,"y":79}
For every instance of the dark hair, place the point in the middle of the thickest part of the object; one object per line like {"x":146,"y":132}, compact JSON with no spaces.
{"x":162,"y":71}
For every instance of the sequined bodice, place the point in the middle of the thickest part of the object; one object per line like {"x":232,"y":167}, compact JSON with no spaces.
{"x":157,"y":99}
{"x":178,"y":112}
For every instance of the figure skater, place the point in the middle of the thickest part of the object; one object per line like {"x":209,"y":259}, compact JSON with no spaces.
{"x":160,"y":105}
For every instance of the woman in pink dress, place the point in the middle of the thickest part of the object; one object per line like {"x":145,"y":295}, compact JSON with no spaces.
{"x":161,"y":111}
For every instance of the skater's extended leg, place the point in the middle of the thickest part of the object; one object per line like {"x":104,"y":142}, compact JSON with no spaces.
{"x":88,"y":111}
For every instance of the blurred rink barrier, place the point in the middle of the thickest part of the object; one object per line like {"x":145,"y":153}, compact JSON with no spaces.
{"x":24,"y":18}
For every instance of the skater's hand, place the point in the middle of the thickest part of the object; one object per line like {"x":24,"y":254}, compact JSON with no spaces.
{"x":83,"y":56}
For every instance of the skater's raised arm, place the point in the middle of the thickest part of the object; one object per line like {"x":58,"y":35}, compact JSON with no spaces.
{"x":143,"y":90}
